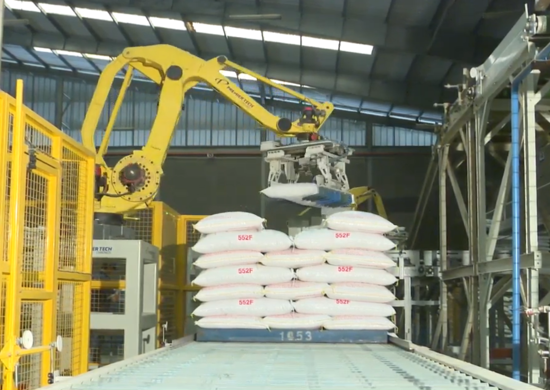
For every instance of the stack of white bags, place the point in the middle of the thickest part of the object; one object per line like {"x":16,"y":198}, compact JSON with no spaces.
{"x":254,"y":278}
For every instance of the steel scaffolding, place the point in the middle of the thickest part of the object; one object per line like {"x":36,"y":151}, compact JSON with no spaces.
{"x":503,"y":97}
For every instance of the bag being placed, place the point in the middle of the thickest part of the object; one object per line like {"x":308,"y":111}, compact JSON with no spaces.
{"x":360,"y":292}
{"x":358,"y":323}
{"x":247,"y":274}
{"x":342,"y":273}
{"x":359,"y":221}
{"x":359,"y":258}
{"x":296,"y":321}
{"x":260,"y":307}
{"x":342,"y":307}
{"x":231,"y":322}
{"x":262,"y":241}
{"x":224,"y":259}
{"x":326,"y":239}
{"x":293,"y":258}
{"x":291,"y":191}
{"x":229,"y":221}
{"x":295,"y":290}
{"x":229,"y":291}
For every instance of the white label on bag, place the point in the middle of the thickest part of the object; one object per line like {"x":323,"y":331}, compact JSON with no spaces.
{"x":295,"y":290}
{"x":336,"y":307}
{"x":252,"y":274}
{"x":231,"y":322}
{"x":325,"y":239}
{"x":294,"y":258}
{"x":360,"y":292}
{"x":296,"y":321}
{"x":358,"y":323}
{"x":262,"y":241}
{"x":359,"y":221}
{"x":260,"y":307}
{"x":224,"y":259}
{"x":359,"y":258}
{"x":229,"y":291}
{"x":229,"y":221}
{"x":334,"y":274}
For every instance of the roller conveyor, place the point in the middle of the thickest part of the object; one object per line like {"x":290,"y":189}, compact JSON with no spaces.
{"x":269,"y":366}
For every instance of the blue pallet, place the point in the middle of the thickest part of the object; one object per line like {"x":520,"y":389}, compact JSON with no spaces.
{"x":293,"y":336}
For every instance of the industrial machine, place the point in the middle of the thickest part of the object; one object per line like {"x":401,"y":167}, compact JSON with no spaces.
{"x":134,"y":181}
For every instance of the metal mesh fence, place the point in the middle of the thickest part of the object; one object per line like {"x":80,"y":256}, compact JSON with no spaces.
{"x":48,"y":209}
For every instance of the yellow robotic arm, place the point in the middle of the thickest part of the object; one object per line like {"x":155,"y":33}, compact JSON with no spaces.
{"x":134,"y":181}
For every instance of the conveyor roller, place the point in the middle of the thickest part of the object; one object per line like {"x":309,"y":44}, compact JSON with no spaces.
{"x":267,"y":366}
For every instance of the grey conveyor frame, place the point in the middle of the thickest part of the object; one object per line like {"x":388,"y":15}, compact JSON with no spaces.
{"x":186,"y":364}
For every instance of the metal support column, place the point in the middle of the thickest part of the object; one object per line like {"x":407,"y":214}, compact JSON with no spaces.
{"x":527,"y":100}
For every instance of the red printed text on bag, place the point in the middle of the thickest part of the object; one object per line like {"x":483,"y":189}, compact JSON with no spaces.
{"x":342,"y":301}
{"x":341,"y":235}
{"x":244,"y":237}
{"x":246,"y":302}
{"x":345,"y":268}
{"x":245,"y":270}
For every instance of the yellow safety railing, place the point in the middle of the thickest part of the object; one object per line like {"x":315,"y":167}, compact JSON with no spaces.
{"x":46,"y":193}
{"x":189,"y":237}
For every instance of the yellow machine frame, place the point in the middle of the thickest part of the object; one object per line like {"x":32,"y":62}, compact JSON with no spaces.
{"x":176,"y":71}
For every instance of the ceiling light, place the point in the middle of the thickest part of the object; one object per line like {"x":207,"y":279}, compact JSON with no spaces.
{"x":229,"y":73}
{"x":97,"y":57}
{"x":43,"y":49}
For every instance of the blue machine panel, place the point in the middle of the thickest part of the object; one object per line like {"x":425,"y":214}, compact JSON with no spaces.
{"x":293,"y":336}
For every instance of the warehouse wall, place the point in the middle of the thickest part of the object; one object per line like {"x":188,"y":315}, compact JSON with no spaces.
{"x":390,"y":159}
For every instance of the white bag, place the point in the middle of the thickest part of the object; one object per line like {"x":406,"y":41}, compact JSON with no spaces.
{"x":230,"y":221}
{"x":260,"y":307}
{"x":359,"y":258}
{"x":325,"y":239}
{"x":334,"y":274}
{"x":296,"y":321}
{"x":224,"y":259}
{"x":293,"y":258}
{"x":360,"y":292}
{"x":231,"y":322}
{"x":248,"y":274}
{"x":295,"y":290}
{"x":262,"y":241}
{"x":359,"y":221}
{"x":291,"y":191}
{"x":229,"y":291}
{"x":358,"y":323}
{"x":342,"y":307}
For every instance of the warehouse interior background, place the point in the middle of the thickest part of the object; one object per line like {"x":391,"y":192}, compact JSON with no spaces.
{"x":390,"y":67}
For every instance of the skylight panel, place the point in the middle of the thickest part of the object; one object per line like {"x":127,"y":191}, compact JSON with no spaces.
{"x":172,"y":24}
{"x":43,"y":50}
{"x":138,"y":20}
{"x":96,"y":14}
{"x":285,"y":83}
{"x":319,"y":43}
{"x":229,"y":73}
{"x":212,"y":29}
{"x":245,"y":33}
{"x":358,"y":48}
{"x":67,"y":53}
{"x":21,"y":5}
{"x":288,"y":39}
{"x":97,"y":57}
{"x":244,"y":76}
{"x":55,"y":9}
